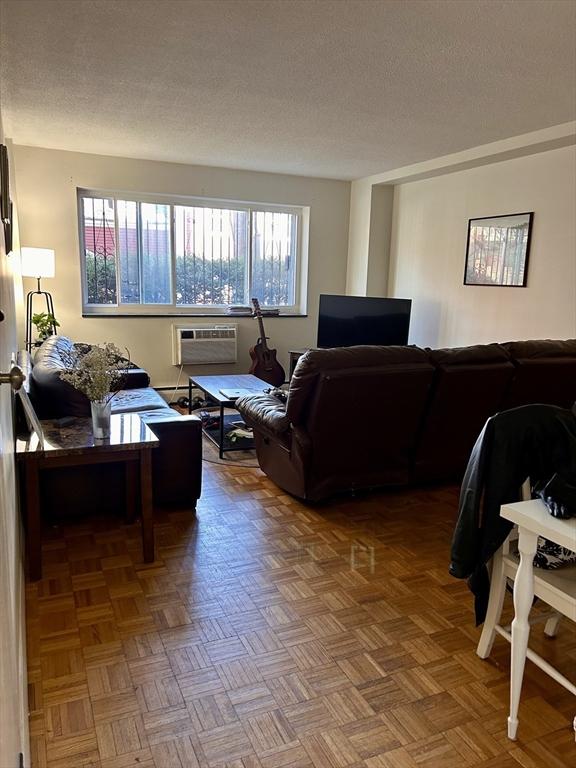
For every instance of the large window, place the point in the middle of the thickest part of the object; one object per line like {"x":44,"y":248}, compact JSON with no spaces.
{"x":144,"y":255}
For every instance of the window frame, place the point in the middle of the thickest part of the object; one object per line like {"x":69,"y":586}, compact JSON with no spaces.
{"x":302,"y":213}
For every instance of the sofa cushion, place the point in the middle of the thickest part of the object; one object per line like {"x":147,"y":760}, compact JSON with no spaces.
{"x":320,"y":361}
{"x":475,"y":355}
{"x":266,"y":411}
{"x":53,"y":397}
{"x":469,"y":386}
{"x":52,"y":349}
{"x":540,"y":348}
{"x":135,"y":378}
{"x":136,"y":400}
{"x":545,"y":372}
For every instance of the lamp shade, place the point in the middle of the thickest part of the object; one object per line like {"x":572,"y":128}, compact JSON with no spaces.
{"x":37,"y":262}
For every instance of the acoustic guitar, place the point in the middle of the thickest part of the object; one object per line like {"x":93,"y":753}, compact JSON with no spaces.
{"x":264,"y":363}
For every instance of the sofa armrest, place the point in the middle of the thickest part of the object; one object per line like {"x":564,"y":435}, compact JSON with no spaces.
{"x":135,"y":378}
{"x":264,"y":412}
{"x":177,"y":462}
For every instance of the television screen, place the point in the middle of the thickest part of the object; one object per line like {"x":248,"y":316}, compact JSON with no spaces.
{"x":345,"y":321}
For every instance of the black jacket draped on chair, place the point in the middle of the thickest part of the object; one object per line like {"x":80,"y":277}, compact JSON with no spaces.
{"x":534,"y":441}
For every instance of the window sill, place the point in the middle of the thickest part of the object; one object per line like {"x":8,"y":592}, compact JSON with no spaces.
{"x":230,"y":318}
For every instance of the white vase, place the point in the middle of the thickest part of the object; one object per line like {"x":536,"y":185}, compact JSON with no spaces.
{"x":101,"y":412}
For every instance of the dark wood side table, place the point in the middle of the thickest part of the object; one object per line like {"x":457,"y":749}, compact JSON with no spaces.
{"x":69,"y":442}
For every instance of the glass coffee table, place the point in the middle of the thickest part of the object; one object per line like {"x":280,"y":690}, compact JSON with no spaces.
{"x":223,"y":391}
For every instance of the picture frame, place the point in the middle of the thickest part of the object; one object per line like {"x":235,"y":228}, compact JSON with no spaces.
{"x":497,"y":250}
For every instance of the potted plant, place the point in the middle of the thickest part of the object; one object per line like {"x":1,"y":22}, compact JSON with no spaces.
{"x":99,"y":372}
{"x":46,"y":325}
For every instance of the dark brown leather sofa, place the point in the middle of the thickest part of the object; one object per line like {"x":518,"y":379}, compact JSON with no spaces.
{"x":176,"y":462}
{"x":541,"y":367}
{"x":468,"y":387}
{"x":362,"y":417}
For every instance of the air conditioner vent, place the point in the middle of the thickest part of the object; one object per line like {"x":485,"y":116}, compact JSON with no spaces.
{"x":215,"y":333}
{"x":214,"y":345}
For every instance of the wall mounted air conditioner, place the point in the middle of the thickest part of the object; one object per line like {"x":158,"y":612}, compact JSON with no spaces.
{"x":206,"y":345}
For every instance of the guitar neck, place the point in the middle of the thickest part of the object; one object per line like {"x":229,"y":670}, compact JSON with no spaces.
{"x":262,"y":333}
{"x":258,"y":313}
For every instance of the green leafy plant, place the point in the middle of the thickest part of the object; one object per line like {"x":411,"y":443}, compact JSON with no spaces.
{"x":98,"y":372}
{"x":45,"y":324}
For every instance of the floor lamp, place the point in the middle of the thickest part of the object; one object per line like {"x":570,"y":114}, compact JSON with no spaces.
{"x":38,"y":263}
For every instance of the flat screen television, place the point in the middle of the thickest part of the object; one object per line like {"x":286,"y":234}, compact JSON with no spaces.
{"x":345,"y":321}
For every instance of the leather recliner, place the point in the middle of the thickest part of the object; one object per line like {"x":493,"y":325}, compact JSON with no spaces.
{"x":350,"y":421}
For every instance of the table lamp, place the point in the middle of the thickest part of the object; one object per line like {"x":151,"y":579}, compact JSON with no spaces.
{"x":38,"y":263}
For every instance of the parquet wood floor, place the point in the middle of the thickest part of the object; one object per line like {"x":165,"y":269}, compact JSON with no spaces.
{"x":269,"y":634}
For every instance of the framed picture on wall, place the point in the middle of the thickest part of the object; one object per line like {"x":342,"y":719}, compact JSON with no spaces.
{"x":497,"y":250}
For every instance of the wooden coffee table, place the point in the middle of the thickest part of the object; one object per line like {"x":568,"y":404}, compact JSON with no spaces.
{"x":69,"y":442}
{"x":212,"y":387}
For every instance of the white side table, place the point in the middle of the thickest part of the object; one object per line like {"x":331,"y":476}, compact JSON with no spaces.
{"x":557,"y":588}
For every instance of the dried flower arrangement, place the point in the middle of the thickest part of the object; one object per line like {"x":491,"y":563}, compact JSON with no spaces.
{"x":99,"y":371}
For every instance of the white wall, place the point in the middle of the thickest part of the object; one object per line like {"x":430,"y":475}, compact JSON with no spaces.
{"x":369,"y":238}
{"x":429,"y":245}
{"x":359,"y":237}
{"x":381,"y":210}
{"x":47,"y":183}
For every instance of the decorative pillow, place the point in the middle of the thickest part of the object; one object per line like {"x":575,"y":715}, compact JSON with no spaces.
{"x":550,"y":555}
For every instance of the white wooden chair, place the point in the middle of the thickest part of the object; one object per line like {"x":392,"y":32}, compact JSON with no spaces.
{"x":557,"y":588}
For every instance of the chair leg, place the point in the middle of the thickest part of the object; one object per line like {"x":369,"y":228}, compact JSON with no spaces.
{"x":551,"y":626}
{"x":495,"y":603}
{"x":523,"y":597}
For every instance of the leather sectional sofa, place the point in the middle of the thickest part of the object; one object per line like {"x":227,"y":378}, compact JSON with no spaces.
{"x":362,"y":417}
{"x":176,"y":462}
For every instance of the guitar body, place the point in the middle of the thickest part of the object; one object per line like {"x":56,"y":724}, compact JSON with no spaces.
{"x":264,"y":363}
{"x":265,"y":366}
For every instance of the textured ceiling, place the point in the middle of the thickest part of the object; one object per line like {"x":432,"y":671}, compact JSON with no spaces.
{"x":339,"y":89}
